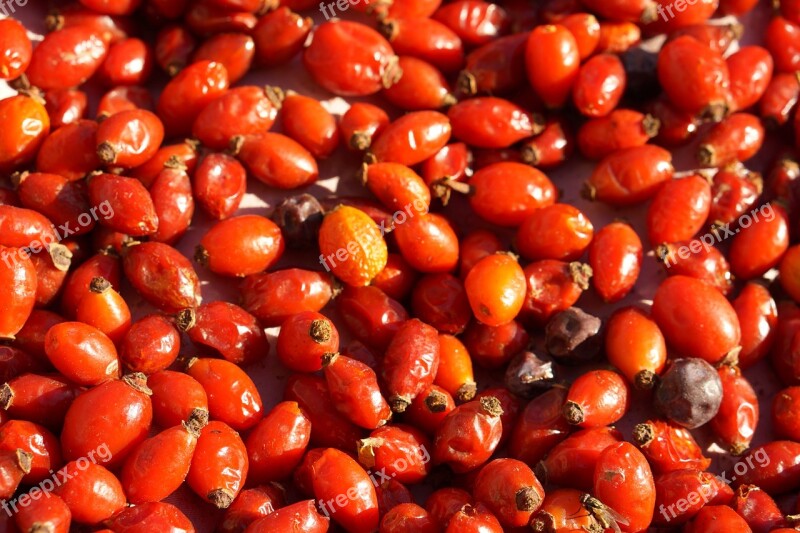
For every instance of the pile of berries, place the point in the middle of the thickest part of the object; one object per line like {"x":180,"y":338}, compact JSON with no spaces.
{"x":455,"y":345}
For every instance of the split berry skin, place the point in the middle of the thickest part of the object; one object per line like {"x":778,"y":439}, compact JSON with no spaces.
{"x":310,"y":269}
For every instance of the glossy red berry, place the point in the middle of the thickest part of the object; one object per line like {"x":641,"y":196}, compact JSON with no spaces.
{"x":19,"y":291}
{"x":630,"y":176}
{"x":736,"y":422}
{"x":306,"y":121}
{"x":691,"y":87}
{"x":227,"y":329}
{"x":219,"y":465}
{"x":496,"y":287}
{"x":328,"y":426}
{"x":278,"y":442}
{"x":412,"y":138}
{"x":410,"y":363}
{"x":508,"y":193}
{"x":162,"y":275}
{"x":83,"y":353}
{"x":92,"y":493}
{"x":572,"y":461}
{"x":669,"y":447}
{"x":278,"y":160}
{"x":510,"y":489}
{"x":623,"y":481}
{"x":335,"y":471}
{"x":75,"y":53}
{"x":469,"y":435}
{"x":558,"y":231}
{"x":185,"y":96}
{"x":232,"y":396}
{"x":240,"y":246}
{"x":167,"y":456}
{"x":599,"y":86}
{"x":353,"y":387}
{"x":358,"y":71}
{"x":696,"y":318}
{"x":239,"y":111}
{"x":552,"y":63}
{"x":16,"y":48}
{"x":399,"y":451}
{"x":679,"y":210}
{"x":615,"y":257}
{"x":262,"y":294}
{"x":108,"y":421}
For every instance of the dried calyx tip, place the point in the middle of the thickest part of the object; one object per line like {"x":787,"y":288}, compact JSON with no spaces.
{"x":399,"y":404}
{"x":573,"y":413}
{"x":360,"y":141}
{"x":235,"y":144}
{"x":389,"y":29}
{"x":106,"y":153}
{"x":275,"y":95}
{"x":643,"y":434}
{"x":221,"y":498}
{"x":543,"y":522}
{"x":266,"y":7}
{"x":436,"y":401}
{"x":739,"y":448}
{"x":320,"y":331}
{"x":138,"y":381}
{"x":99,"y":285}
{"x":589,"y":191}
{"x":392,"y":72}
{"x":201,"y":255}
{"x":449,"y":100}
{"x":18,"y":177}
{"x":175,"y":163}
{"x":466,"y":83}
{"x":527,"y":499}
{"x":366,"y":450}
{"x":651,"y":125}
{"x":645,"y":380}
{"x":530,"y":155}
{"x":61,"y":256}
{"x":328,"y":358}
{"x":793,"y":519}
{"x":662,"y":253}
{"x":581,"y":273}
{"x":54,"y":21}
{"x":491,"y":405}
{"x":6,"y":396}
{"x":186,"y":319}
{"x":467,"y":391}
{"x":24,"y":460}
{"x":705,"y":155}
{"x":197,"y":420}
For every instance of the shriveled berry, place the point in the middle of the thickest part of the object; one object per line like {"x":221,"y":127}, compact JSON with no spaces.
{"x":528,"y":375}
{"x":689,"y":393}
{"x":572,"y":336}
